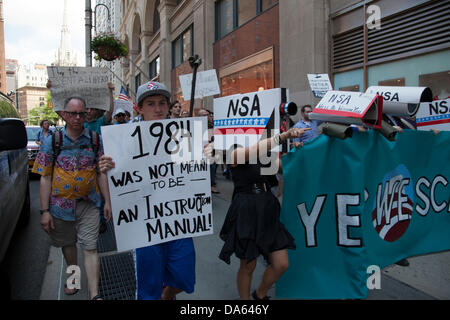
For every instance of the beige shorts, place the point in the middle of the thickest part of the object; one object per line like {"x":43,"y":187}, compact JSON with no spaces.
{"x":84,"y":230}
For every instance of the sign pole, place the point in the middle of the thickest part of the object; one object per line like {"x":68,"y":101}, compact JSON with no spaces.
{"x":194,"y":62}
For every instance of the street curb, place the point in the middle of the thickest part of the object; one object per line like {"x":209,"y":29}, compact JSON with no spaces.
{"x":51,"y":283}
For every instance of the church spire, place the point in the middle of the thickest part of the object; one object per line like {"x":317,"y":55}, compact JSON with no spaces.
{"x":65,"y":55}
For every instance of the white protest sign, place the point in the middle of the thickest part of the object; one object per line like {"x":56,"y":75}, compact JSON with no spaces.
{"x":206,"y":84}
{"x":320,"y":84}
{"x":160,"y":187}
{"x":434,"y":115}
{"x":91,"y":84}
{"x":349,"y":107}
{"x":125,"y":105}
{"x":242,"y":118}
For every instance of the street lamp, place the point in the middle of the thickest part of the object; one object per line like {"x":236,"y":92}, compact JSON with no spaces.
{"x":88,"y":28}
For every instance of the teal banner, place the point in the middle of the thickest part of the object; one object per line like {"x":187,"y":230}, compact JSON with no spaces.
{"x":359,"y":204}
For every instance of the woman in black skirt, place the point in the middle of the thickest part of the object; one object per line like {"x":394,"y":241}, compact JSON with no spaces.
{"x":252,"y":226}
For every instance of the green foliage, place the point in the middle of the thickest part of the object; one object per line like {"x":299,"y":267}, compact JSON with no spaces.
{"x":7,"y":110}
{"x":39,"y":113}
{"x":108,"y":47}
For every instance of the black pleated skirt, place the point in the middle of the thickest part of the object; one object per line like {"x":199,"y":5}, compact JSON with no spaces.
{"x":252,"y":227}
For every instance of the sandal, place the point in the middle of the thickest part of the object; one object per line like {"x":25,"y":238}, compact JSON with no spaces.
{"x":98,"y":297}
{"x":255,"y":296}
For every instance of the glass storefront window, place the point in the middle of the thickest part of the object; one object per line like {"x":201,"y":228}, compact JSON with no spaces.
{"x":224,"y":16}
{"x":246,"y":11}
{"x":187,"y":45}
{"x":438,"y":82}
{"x":266,"y":4}
{"x":256,"y":78}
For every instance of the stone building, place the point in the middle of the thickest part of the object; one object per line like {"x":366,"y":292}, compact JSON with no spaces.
{"x":263,"y":44}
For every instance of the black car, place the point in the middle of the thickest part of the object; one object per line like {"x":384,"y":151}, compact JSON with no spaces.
{"x":14,"y":187}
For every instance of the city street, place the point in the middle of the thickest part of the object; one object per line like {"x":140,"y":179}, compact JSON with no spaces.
{"x":37,"y":271}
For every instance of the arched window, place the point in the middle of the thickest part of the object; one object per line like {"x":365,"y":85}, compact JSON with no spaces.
{"x":156,"y":21}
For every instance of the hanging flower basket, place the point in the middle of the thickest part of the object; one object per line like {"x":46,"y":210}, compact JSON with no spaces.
{"x":108,"y":47}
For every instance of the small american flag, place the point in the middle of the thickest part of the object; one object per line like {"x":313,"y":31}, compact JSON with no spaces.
{"x":123,"y":95}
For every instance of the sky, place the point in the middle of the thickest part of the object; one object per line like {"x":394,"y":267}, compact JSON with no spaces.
{"x":33,"y":29}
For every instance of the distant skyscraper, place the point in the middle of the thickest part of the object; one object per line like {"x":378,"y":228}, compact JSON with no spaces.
{"x":65,"y":56}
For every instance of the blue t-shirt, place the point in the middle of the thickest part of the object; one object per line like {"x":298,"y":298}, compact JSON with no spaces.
{"x":308,"y":135}
{"x":96,"y":124}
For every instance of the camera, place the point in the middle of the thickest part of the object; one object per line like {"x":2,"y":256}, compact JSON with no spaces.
{"x":288,"y":108}
{"x":402,"y":101}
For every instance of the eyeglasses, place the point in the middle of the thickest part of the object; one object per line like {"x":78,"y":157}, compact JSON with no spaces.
{"x":120,"y":114}
{"x":74,"y":114}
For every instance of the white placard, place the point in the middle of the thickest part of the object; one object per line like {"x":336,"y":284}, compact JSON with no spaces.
{"x":242,"y":118}
{"x":434,"y":115}
{"x":206,"y":84}
{"x":157,"y":196}
{"x":346,"y":101}
{"x":89,"y":83}
{"x":320,"y":84}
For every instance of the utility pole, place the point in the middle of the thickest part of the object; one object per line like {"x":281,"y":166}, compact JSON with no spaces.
{"x":88,"y":28}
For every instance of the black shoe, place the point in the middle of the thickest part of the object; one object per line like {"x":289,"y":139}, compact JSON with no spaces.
{"x":402,"y":263}
{"x":255,"y":297}
{"x":103,"y":227}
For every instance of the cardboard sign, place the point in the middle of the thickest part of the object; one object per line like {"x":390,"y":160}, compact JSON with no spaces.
{"x":320,"y":84}
{"x":206,"y":84}
{"x":242,"y":118}
{"x":89,"y":83}
{"x":434,"y":115}
{"x":350,"y":108}
{"x":160,"y":187}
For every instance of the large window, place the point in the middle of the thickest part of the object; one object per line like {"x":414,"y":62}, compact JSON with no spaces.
{"x":182,"y":48}
{"x":156,"y":21}
{"x":154,"y":68}
{"x":231,"y":14}
{"x":137,"y":81}
{"x":254,"y":78}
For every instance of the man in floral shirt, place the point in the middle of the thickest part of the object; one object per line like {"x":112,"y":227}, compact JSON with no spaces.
{"x":69,"y":192}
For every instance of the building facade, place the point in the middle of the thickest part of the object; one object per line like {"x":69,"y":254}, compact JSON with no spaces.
{"x":264,"y":44}
{"x":29,"y":98}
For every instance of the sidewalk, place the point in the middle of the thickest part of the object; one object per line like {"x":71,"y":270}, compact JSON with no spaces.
{"x":427,"y":277}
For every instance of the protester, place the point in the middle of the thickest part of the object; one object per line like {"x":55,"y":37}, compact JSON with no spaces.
{"x":69,"y":191}
{"x":175,"y":110}
{"x":252,"y":225}
{"x":213,"y":165}
{"x":44,"y":132}
{"x":127,"y":116}
{"x":96,"y":118}
{"x":120,"y":116}
{"x":306,"y":122}
{"x":171,"y":264}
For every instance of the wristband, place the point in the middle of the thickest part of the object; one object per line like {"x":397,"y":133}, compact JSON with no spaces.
{"x":45,"y":210}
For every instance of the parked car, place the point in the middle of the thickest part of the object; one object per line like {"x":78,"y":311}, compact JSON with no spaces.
{"x":14,"y":187}
{"x":32,"y":146}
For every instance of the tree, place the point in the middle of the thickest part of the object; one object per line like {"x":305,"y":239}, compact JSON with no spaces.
{"x":45,"y":111}
{"x":7,"y":110}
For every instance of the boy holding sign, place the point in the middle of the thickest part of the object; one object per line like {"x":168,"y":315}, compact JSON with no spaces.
{"x":170,"y":263}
